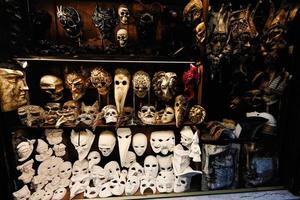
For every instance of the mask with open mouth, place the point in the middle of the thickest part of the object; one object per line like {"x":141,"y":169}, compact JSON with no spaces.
{"x":147,"y":114}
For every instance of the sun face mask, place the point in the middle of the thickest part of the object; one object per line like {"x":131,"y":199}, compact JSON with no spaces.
{"x":24,"y":149}
{"x":162,"y":141}
{"x":82,"y":142}
{"x":148,"y":183}
{"x":43,"y":150}
{"x":31,"y":115}
{"x":139,"y":143}
{"x":94,"y":158}
{"x":121,"y":86}
{"x":186,"y":136}
{"x":165,"y":181}
{"x":141,"y":83}
{"x":54,"y":136}
{"x":124,"y":140}
{"x":113,"y":169}
{"x":132,"y":185}
{"x":101,"y":80}
{"x":27,"y":171}
{"x":165,"y":163}
{"x":52,"y":87}
{"x":147,"y":115}
{"x":88,"y":114}
{"x":197,"y":114}
{"x":22,"y":194}
{"x":107,"y":142}
{"x":151,"y":166}
{"x":165,"y":85}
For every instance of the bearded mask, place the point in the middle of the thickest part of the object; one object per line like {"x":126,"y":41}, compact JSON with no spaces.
{"x":69,"y":18}
{"x":82,"y":142}
{"x":124,"y":14}
{"x":139,"y":143}
{"x":121,"y":86}
{"x":52,"y":86}
{"x":101,"y":80}
{"x":165,"y":85}
{"x":77,"y":83}
{"x":181,"y":106}
{"x":197,"y":114}
{"x":124,"y":140}
{"x":69,"y":113}
{"x":147,"y":114}
{"x":162,"y":141}
{"x":52,"y":113}
{"x":88,"y":114}
{"x":13,"y":89}
{"x":141,"y":83}
{"x":31,"y":115}
{"x":107,"y":142}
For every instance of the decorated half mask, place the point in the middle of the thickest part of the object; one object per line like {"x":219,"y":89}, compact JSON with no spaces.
{"x":165,"y":181}
{"x":52,"y":86}
{"x":147,"y":114}
{"x":59,"y":193}
{"x":181,"y":106}
{"x":94,"y":158}
{"x":43,"y":151}
{"x":101,"y":80}
{"x":168,"y":115}
{"x":88,"y":114}
{"x":77,"y":83}
{"x":125,"y":116}
{"x":124,"y":140}
{"x":123,"y":13}
{"x":22,"y":194}
{"x":193,"y":11}
{"x":148,"y":183}
{"x":186,"y":136}
{"x":151,"y":166}
{"x":122,"y":37}
{"x":69,"y":113}
{"x":113,"y":169}
{"x":52,"y":113}
{"x":105,"y":21}
{"x":162,"y":141}
{"x":132,"y":185}
{"x":24,"y":149}
{"x":105,"y":190}
{"x":197,"y":114}
{"x":13,"y":89}
{"x":165,"y":85}
{"x":117,"y":185}
{"x":109,"y":112}
{"x":54,"y":136}
{"x":31,"y":115}
{"x":141,"y":83}
{"x":165,"y":163}
{"x":139,"y":143}
{"x":82,"y":142}
{"x":27,"y":171}
{"x":107,"y":142}
{"x":70,"y":20}
{"x":65,"y":170}
{"x":121,"y":86}
{"x":135,"y":170}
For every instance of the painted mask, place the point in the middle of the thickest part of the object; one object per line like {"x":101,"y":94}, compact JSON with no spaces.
{"x":165,"y":181}
{"x":22,"y":194}
{"x":148,"y":183}
{"x":181,"y":106}
{"x":165,"y":163}
{"x":43,"y":151}
{"x":125,"y":116}
{"x":168,"y":115}
{"x":141,"y":83}
{"x":122,"y":37}
{"x":109,"y":112}
{"x":69,"y":113}
{"x":200,"y":33}
{"x":132,"y":185}
{"x":65,"y":170}
{"x":101,"y":80}
{"x":123,"y":13}
{"x":52,"y":113}
{"x":135,"y":170}
{"x":31,"y":115}
{"x":117,"y":186}
{"x":162,"y":141}
{"x":151,"y":166}
{"x":165,"y":85}
{"x":113,"y":169}
{"x":107,"y":142}
{"x":13,"y":89}
{"x":124,"y":140}
{"x":54,"y":136}
{"x":82,"y":142}
{"x":139,"y":143}
{"x":94,"y":158}
{"x":88,"y":114}
{"x":105,"y":190}
{"x":186,"y":136}
{"x":27,"y":171}
{"x":52,"y":86}
{"x":70,"y":20}
{"x":121,"y":86}
{"x":147,"y":114}
{"x":77,"y":83}
{"x":197,"y":114}
{"x":24,"y":149}
{"x":59,"y":193}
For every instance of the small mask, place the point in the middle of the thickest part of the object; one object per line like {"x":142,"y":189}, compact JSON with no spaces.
{"x":59,"y":193}
{"x":107,"y":142}
{"x":82,"y":142}
{"x":27,"y":171}
{"x":52,"y":113}
{"x":124,"y":140}
{"x":168,"y":115}
{"x":113,"y":169}
{"x":186,"y":136}
{"x":139,"y":143}
{"x":151,"y":166}
{"x":141,"y":83}
{"x":148,"y":183}
{"x":69,"y":113}
{"x":165,"y":181}
{"x":181,"y":106}
{"x":31,"y":115}
{"x":101,"y":80}
{"x":77,"y":83}
{"x":165,"y":85}
{"x":165,"y":163}
{"x":69,"y":18}
{"x":130,"y":159}
{"x":88,"y":114}
{"x":13,"y":89}
{"x":43,"y":150}
{"x":22,"y":194}
{"x":132,"y":185}
{"x":197,"y":114}
{"x":123,"y":13}
{"x":25,"y":149}
{"x":147,"y":114}
{"x":59,"y":150}
{"x":121,"y":85}
{"x":105,"y":190}
{"x":117,"y":185}
{"x":52,"y":86}
{"x":109,"y":112}
{"x":125,"y":116}
{"x":65,"y":170}
{"x":162,"y":141}
{"x":54,"y":136}
{"x":94,"y":158}
{"x":122,"y":37}
{"x":135,"y":170}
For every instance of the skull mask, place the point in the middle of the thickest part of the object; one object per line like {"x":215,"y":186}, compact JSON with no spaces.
{"x":186,"y":136}
{"x":77,"y":83}
{"x":31,"y":115}
{"x":82,"y":142}
{"x":162,"y":141}
{"x":165,"y":181}
{"x":52,"y":113}
{"x":94,"y":158}
{"x":151,"y":166}
{"x":139,"y":143}
{"x":52,"y":86}
{"x":107,"y":142}
{"x":147,"y":114}
{"x":132,"y":185}
{"x":197,"y":114}
{"x":109,"y":112}
{"x":148,"y":183}
{"x":125,"y":116}
{"x":141,"y":83}
{"x":59,"y":194}
{"x":121,"y":85}
{"x":70,"y":20}
{"x":54,"y":136}
{"x":101,"y":80}
{"x":88,"y":114}
{"x":123,"y":13}
{"x":164,"y":85}
{"x":168,"y":115}
{"x":113,"y":169}
{"x":122,"y":37}
{"x":181,"y":106}
{"x":65,"y":170}
{"x":117,"y":185}
{"x":124,"y":140}
{"x":25,"y":149}
{"x":69,"y":113}
{"x":165,"y":163}
{"x":22,"y":194}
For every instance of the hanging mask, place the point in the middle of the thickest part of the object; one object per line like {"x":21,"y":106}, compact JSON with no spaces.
{"x":13,"y":89}
{"x":82,"y":142}
{"x":123,"y":13}
{"x":121,"y":86}
{"x":22,"y":194}
{"x":141,"y":83}
{"x":165,"y":163}
{"x":125,"y":116}
{"x":43,"y":150}
{"x":52,"y":113}
{"x":162,"y":141}
{"x":181,"y":159}
{"x":69,"y":114}
{"x":91,"y":192}
{"x":52,"y":86}
{"x":105,"y":21}
{"x":54,"y":136}
{"x":186,"y":136}
{"x":101,"y":80}
{"x":147,"y":115}
{"x":197,"y":114}
{"x":193,"y":11}
{"x":88,"y":114}
{"x":113,"y":169}
{"x":135,"y":170}
{"x":65,"y":170}
{"x":109,"y":112}
{"x":77,"y":83}
{"x":130,"y":159}
{"x":27,"y":171}
{"x":31,"y":115}
{"x":70,"y":20}
{"x":105,"y":190}
{"x":139,"y":143}
{"x":148,"y":183}
{"x":94,"y":158}
{"x":124,"y":140}
{"x":50,"y":167}
{"x":132,"y":185}
{"x":181,"y":106}
{"x":151,"y":166}
{"x":146,"y":27}
{"x":165,"y":85}
{"x":59,"y":150}
{"x":99,"y":175}
{"x":24,"y":149}
{"x":80,"y":170}
{"x":122,"y":37}
{"x":165,"y":181}
{"x":107,"y":142}
{"x":168,"y":115}
{"x":117,"y":186}
{"x":59,"y":194}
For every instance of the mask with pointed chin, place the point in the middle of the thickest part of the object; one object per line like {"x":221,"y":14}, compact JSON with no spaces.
{"x":121,"y":85}
{"x":82,"y":142}
{"x":124,"y":140}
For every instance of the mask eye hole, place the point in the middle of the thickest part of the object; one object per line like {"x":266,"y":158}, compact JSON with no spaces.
{"x":124,"y":82}
{"x":154,"y":165}
{"x":144,"y":185}
{"x":147,"y":165}
{"x":103,"y":189}
{"x":117,"y":82}
{"x":182,"y":181}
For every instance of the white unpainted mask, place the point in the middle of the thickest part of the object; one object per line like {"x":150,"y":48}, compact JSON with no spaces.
{"x":107,"y":142}
{"x":110,"y":114}
{"x":37,"y":195}
{"x":59,"y":150}
{"x":195,"y":152}
{"x":139,"y":143}
{"x":121,"y":87}
{"x":80,"y":170}
{"x":22,"y":194}
{"x":65,"y":170}
{"x":186,"y":136}
{"x":27,"y":171}
{"x":43,"y":150}
{"x":59,"y":194}
{"x":54,"y":136}
{"x":148,"y":183}
{"x":151,"y":166}
{"x":53,"y":184}
{"x":82,"y":142}
{"x":132,"y":185}
{"x":113,"y":169}
{"x":165,"y":163}
{"x":181,"y":159}
{"x":122,"y":37}
{"x":101,"y":80}
{"x":105,"y":190}
{"x":117,"y":185}
{"x":168,"y":115}
{"x":124,"y":140}
{"x":165,"y":181}
{"x":52,"y":86}
{"x":25,"y":149}
{"x":147,"y":114}
{"x":78,"y":187}
{"x":91,"y":192}
{"x":39,"y":182}
{"x":123,"y":13}
{"x":162,"y":141}
{"x":135,"y":170}
{"x":94,"y":158}
{"x":130,"y":159}
{"x":50,"y":167}
{"x":99,"y":175}
{"x":48,"y":195}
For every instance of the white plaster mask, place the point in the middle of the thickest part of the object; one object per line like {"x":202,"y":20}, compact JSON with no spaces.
{"x":113,"y":169}
{"x":123,"y":13}
{"x":65,"y":170}
{"x":181,"y":159}
{"x":168,"y":115}
{"x":122,"y":37}
{"x":124,"y":140}
{"x":141,"y":83}
{"x":80,"y":170}
{"x":22,"y":194}
{"x":50,"y":167}
{"x":148,"y":183}
{"x":135,"y":170}
{"x":182,"y":182}
{"x":99,"y":175}
{"x":78,"y":187}
{"x":91,"y":192}
{"x":130,"y":159}
{"x":59,"y":150}
{"x":53,"y":184}
{"x":25,"y":149}
{"x":52,"y":86}
{"x":186,"y":136}
{"x":27,"y":171}
{"x":105,"y":190}
{"x":54,"y":136}
{"x":151,"y":166}
{"x":132,"y":185}
{"x":121,"y":87}
{"x":106,"y":142}
{"x":38,"y":182}
{"x":59,"y":193}
{"x":117,"y":185}
{"x":165,"y":163}
{"x":94,"y":158}
{"x":88,"y":114}
{"x":110,"y":114}
{"x":82,"y":142}
{"x":147,"y":114}
{"x":165,"y":181}
{"x":139,"y":143}
{"x":195,"y":153}
{"x":43,"y":150}
{"x":162,"y":141}
{"x":48,"y":195}
{"x":37,"y":195}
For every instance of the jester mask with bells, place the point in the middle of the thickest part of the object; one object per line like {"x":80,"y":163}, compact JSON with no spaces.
{"x":107,"y":142}
{"x":181,"y":106}
{"x":31,"y":115}
{"x":69,"y":113}
{"x":88,"y":114}
{"x":162,"y":141}
{"x":82,"y":142}
{"x":77,"y":83}
{"x":141,"y":83}
{"x":101,"y":80}
{"x":165,"y":85}
{"x":139,"y":143}
{"x":124,"y":140}
{"x":52,"y":86}
{"x":121,"y":86}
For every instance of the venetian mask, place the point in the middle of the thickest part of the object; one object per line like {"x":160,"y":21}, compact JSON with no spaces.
{"x":181,"y":106}
{"x":27,"y":171}
{"x":77,"y":83}
{"x":22,"y":194}
{"x":70,"y":20}
{"x":50,"y":167}
{"x":181,"y":159}
{"x":186,"y":136}
{"x":113,"y":169}
{"x":165,"y":163}
{"x":69,"y":113}
{"x":121,"y":86}
{"x":122,"y":37}
{"x":52,"y":86}
{"x":132,"y":185}
{"x":167,"y":115}
{"x":139,"y":143}
{"x":82,"y":142}
{"x":117,"y":185}
{"x":123,"y":13}
{"x":91,"y":192}
{"x":65,"y":170}
{"x":59,"y":193}
{"x":99,"y":175}
{"x":54,"y":136}
{"x":107,"y":142}
{"x":31,"y":115}
{"x":52,"y":113}
{"x":162,"y":141}
{"x":146,"y":27}
{"x":197,"y":114}
{"x":24,"y":149}
{"x":148,"y":183}
{"x":151,"y":166}
{"x":94,"y":158}
{"x":43,"y":150}
{"x":165,"y":85}
{"x":101,"y":80}
{"x":109,"y":112}
{"x":141,"y":83}
{"x":80,"y":170}
{"x":105,"y":190}
{"x":88,"y":114}
{"x":13,"y":89}
{"x":124,"y":140}
{"x":147,"y":114}
{"x":165,"y":181}
{"x":135,"y":170}
{"x":130,"y":159}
